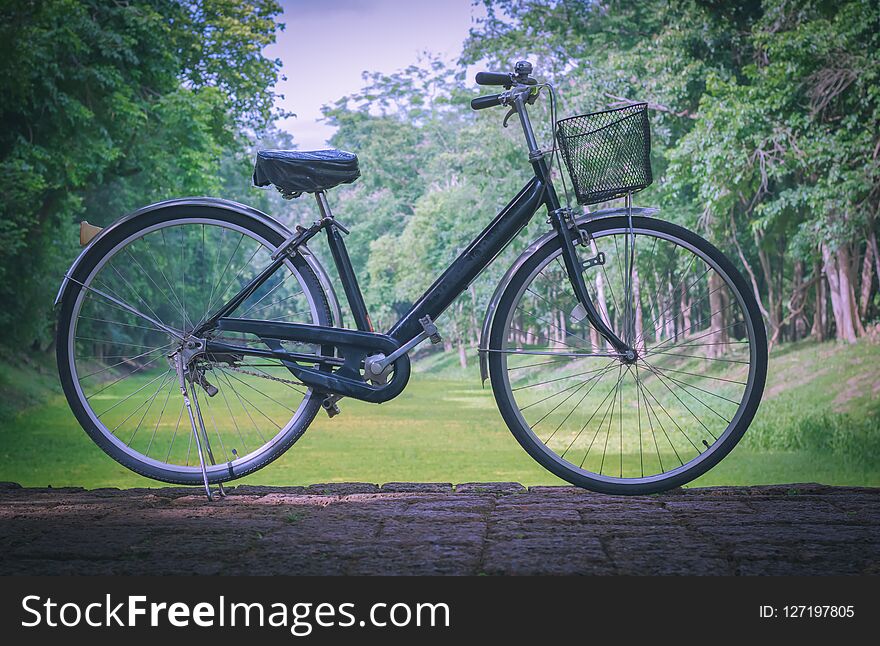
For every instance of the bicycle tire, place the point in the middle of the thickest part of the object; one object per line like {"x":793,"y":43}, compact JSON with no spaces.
{"x":130,"y":230}
{"x":610,"y":485}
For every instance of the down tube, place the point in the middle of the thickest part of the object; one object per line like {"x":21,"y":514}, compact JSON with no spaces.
{"x":478,"y":255}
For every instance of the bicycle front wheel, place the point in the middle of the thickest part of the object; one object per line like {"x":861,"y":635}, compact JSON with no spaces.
{"x":612,"y":423}
{"x":136,"y":295}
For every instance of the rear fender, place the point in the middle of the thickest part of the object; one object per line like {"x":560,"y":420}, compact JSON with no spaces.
{"x":247,"y":211}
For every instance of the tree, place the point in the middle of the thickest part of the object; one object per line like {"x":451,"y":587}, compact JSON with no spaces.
{"x":110,"y":105}
{"x":761,"y":114}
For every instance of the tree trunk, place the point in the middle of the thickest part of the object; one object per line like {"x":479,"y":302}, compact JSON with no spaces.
{"x":867,"y":281}
{"x":668,"y":309}
{"x":850,"y":264}
{"x":462,"y":353}
{"x":601,"y":304}
{"x":519,"y":334}
{"x":872,"y":241}
{"x":595,"y":339}
{"x":562,"y":329}
{"x":840,"y":289}
{"x":719,"y":332}
{"x":773,"y":303}
{"x":685,"y":309}
{"x":637,"y":304}
{"x":797,"y":302}
{"x":819,"y":326}
{"x":474,"y":339}
{"x":752,"y":277}
{"x":655,"y":318}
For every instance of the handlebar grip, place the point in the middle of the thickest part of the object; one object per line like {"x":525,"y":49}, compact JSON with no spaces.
{"x":488,"y":101}
{"x":493,"y":78}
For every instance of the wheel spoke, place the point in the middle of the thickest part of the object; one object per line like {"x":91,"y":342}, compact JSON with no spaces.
{"x":179,"y":271}
{"x":665,"y":407}
{"x":128,"y":308}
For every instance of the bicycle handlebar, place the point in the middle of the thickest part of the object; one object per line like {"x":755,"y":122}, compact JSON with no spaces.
{"x":494,"y":78}
{"x":519,"y":79}
{"x":488,"y":101}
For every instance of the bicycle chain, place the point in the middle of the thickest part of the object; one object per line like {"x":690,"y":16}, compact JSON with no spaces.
{"x":262,"y":375}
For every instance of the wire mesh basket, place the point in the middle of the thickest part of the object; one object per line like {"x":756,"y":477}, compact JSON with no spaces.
{"x":608,"y":153}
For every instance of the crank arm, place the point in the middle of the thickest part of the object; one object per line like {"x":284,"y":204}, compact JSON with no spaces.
{"x":337,"y":384}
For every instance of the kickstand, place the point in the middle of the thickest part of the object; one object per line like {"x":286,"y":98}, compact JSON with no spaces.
{"x":192,"y":420}
{"x":195,"y":401}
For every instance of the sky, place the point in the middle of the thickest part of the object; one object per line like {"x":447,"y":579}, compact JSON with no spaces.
{"x":328,"y":44}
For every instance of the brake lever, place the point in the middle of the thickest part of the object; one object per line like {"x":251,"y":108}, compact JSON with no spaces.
{"x":507,"y":116}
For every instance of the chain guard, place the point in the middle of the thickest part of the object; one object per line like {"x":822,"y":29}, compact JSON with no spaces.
{"x":352,"y":346}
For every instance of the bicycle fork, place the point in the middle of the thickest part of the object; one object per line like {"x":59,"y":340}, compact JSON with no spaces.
{"x":561,"y":220}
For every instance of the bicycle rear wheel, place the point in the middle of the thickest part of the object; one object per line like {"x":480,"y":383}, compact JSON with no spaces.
{"x":145,"y":284}
{"x":609,"y":423}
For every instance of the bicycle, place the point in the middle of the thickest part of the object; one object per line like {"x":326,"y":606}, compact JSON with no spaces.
{"x":626,"y":354}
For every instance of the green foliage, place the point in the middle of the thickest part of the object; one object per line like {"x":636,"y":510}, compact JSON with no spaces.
{"x":760,"y":135}
{"x":763,"y":116}
{"x":107,"y":106}
{"x":433,"y":174}
{"x":854,"y":438}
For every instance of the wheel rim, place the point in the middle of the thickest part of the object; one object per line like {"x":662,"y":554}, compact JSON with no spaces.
{"x":629,"y":407}
{"x":143,"y":413}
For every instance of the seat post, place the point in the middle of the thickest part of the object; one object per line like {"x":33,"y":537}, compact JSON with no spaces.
{"x":343,"y":265}
{"x":323,"y":205}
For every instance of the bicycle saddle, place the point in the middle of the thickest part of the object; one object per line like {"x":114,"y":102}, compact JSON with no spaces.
{"x":294,"y":172}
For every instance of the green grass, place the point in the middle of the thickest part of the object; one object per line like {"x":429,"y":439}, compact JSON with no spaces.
{"x":817,"y":424}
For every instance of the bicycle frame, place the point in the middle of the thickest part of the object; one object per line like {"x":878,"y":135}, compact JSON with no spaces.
{"x":478,"y":255}
{"x":410,"y":328}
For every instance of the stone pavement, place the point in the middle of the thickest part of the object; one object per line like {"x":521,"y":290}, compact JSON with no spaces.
{"x":408,"y":528}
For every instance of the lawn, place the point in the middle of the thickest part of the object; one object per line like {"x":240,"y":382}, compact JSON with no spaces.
{"x":445,"y":428}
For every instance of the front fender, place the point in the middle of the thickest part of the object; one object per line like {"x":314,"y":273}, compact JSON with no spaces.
{"x":531,"y":249}
{"x":247,"y":211}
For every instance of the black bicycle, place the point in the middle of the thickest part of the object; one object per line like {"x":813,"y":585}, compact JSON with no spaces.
{"x":198,"y":338}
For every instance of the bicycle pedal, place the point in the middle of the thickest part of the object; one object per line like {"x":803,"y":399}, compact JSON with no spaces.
{"x":208,"y":387}
{"x":431,"y":330}
{"x":330,"y":406}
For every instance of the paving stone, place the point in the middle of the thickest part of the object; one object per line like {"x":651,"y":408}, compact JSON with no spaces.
{"x":548,"y":515}
{"x":503,"y":488}
{"x":341,"y":488}
{"x":784,"y":533}
{"x":658,"y":551}
{"x":635,"y":516}
{"x":417,"y":487}
{"x":470,"y":531}
{"x":433,"y":528}
{"x":451,"y":505}
{"x":260,"y":490}
{"x":553,"y":553}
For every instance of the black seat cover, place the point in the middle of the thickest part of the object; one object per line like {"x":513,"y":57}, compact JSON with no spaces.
{"x":299,"y":171}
